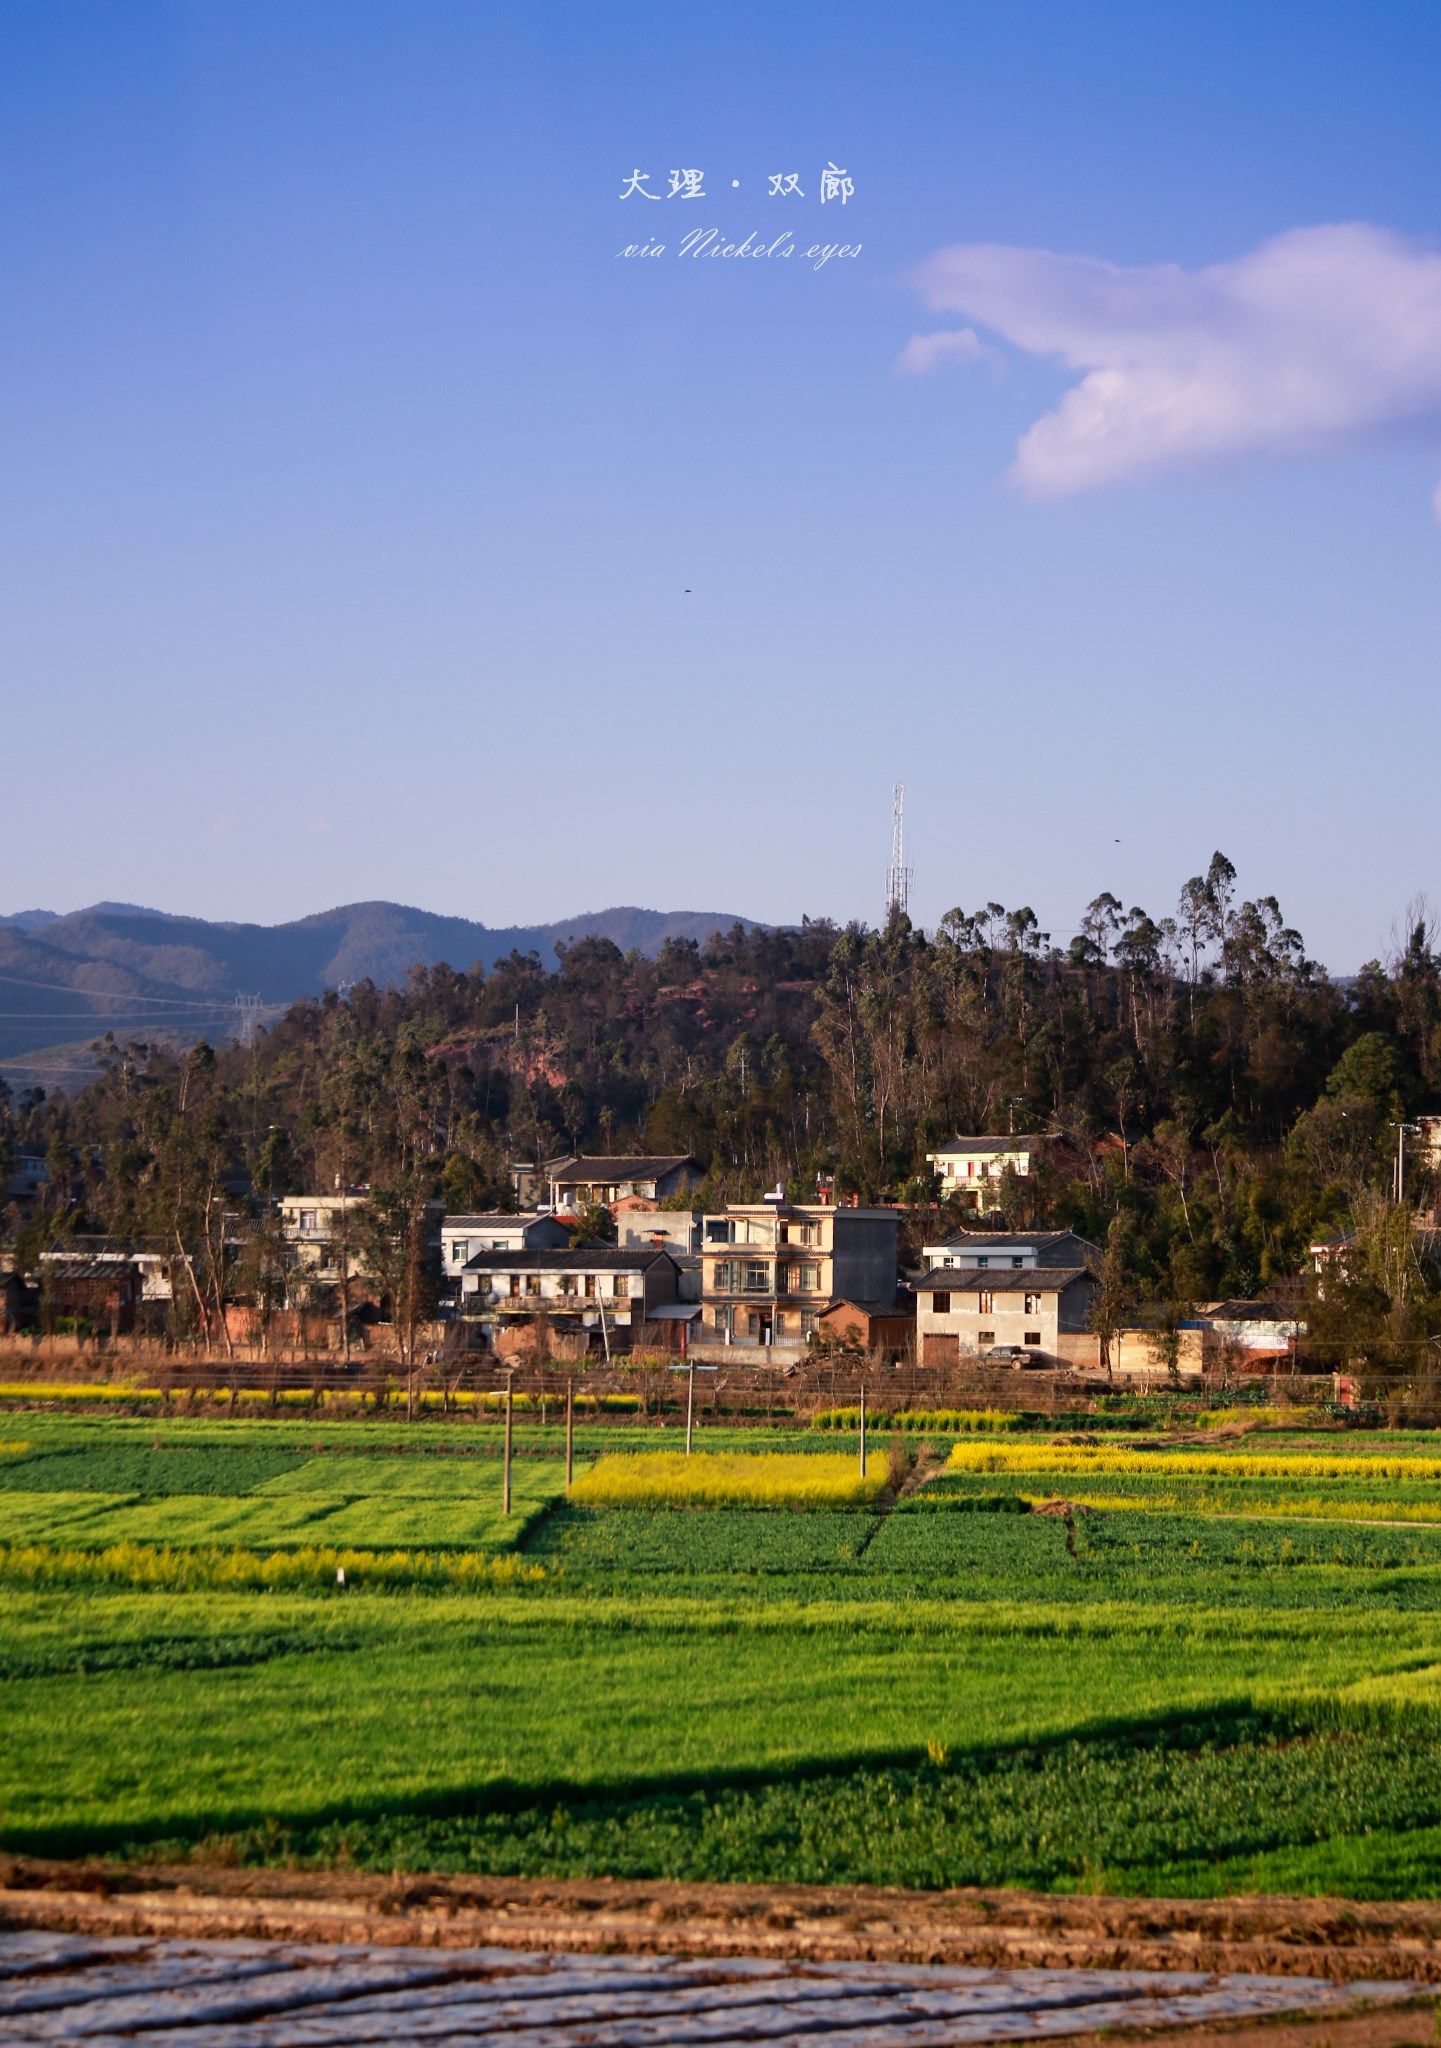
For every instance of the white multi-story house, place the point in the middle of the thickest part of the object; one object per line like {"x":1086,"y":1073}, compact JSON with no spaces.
{"x":1012,"y":1250}
{"x":592,"y":1286}
{"x":971,"y":1169}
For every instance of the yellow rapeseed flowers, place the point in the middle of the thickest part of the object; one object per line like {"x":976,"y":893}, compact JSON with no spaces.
{"x":1080,"y":1460}
{"x":729,"y":1478}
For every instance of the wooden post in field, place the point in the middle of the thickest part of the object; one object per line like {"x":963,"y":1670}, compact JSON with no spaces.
{"x":863,"y":1433}
{"x":569,"y":1430}
{"x":509,"y":1391}
{"x":689,"y":1406}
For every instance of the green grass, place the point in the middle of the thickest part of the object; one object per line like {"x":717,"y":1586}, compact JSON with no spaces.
{"x":1215,"y":1686}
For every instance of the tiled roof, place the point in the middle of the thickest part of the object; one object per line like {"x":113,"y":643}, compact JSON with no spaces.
{"x":1254,"y":1311}
{"x":498,"y":1219}
{"x":986,"y":1240}
{"x":1000,"y":1280}
{"x":1019,"y":1141}
{"x":868,"y":1308}
{"x":596,"y":1258}
{"x":618,"y":1167}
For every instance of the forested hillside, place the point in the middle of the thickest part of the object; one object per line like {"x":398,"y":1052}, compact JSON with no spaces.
{"x":1216,"y":1100}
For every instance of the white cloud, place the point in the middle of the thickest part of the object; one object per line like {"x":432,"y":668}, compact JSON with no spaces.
{"x":1323,"y":335}
{"x":928,"y":351}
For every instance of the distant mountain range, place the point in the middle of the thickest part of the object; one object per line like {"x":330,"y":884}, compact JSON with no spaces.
{"x":64,"y":980}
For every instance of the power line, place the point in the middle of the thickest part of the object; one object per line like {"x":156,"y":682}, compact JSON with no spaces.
{"x":101,"y":995}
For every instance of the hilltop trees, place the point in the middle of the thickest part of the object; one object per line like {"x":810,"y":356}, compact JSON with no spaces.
{"x":1215,"y":1099}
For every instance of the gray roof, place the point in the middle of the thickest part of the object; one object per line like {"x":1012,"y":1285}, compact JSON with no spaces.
{"x":986,"y":1240}
{"x":1000,"y":1280}
{"x":1255,"y":1311}
{"x":868,"y":1308}
{"x":619,"y":1166}
{"x":1018,"y":1141}
{"x":596,"y":1258}
{"x":499,"y":1219}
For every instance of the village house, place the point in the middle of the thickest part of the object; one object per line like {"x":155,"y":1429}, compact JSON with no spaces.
{"x":771,"y":1269}
{"x":971,"y":1169}
{"x":325,"y":1239}
{"x":1015,"y":1250}
{"x":461,"y":1237}
{"x":105,"y":1281}
{"x":882,"y":1329}
{"x":966,"y":1311}
{"x":610,"y":1180}
{"x":596,"y":1288}
{"x":1251,"y":1336}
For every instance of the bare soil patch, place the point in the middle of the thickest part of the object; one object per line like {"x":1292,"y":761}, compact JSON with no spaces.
{"x":997,"y":1929}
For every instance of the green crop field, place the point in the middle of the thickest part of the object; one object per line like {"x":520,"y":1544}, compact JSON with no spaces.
{"x":1226,"y":1675}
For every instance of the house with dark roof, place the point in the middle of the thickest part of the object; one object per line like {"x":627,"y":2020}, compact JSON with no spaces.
{"x":607,"y":1179}
{"x":883,"y":1329}
{"x":461,"y":1237}
{"x":965,"y":1311}
{"x":595,"y":1288}
{"x":1013,"y":1250}
{"x":971,"y":1170}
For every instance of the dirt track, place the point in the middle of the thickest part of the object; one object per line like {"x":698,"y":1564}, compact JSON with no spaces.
{"x":1311,"y":1937}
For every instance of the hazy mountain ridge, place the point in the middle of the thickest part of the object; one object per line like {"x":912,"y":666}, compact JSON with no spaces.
{"x":66,"y":979}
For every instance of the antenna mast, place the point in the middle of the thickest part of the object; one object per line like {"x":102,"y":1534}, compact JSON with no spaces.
{"x":898,"y":875}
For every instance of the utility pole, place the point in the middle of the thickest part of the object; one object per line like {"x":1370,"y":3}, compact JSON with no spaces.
{"x":1398,"y":1176}
{"x":509,"y":1393}
{"x":863,"y":1429}
{"x":689,"y":1405}
{"x":569,"y":1429}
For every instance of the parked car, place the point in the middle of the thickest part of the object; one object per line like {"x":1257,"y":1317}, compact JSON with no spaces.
{"x":1017,"y":1356}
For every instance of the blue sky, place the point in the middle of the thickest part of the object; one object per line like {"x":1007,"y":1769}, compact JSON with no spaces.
{"x":351,"y":483}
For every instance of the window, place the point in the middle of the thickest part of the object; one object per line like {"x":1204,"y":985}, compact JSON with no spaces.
{"x":532,"y":1283}
{"x":810,"y":1322}
{"x":590,"y":1287}
{"x":982,"y":1263}
{"x":458,"y":1251}
{"x":940,"y":1304}
{"x":985,"y":1303}
{"x":1018,"y":1262}
{"x":783,"y":1235}
{"x":948,"y":1262}
{"x":753,"y":1324}
{"x":1033,"y":1337}
{"x":620,"y":1286}
{"x":721,"y":1279}
{"x":514,"y":1286}
{"x":810,"y":1280}
{"x":780,"y":1325}
{"x":758,"y":1277}
{"x":810,"y":1233}
{"x":783,"y":1279}
{"x":985,"y":1336}
{"x":567,"y":1283}
{"x":1033,"y":1308}
{"x":722,"y":1322}
{"x":307,"y":1219}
